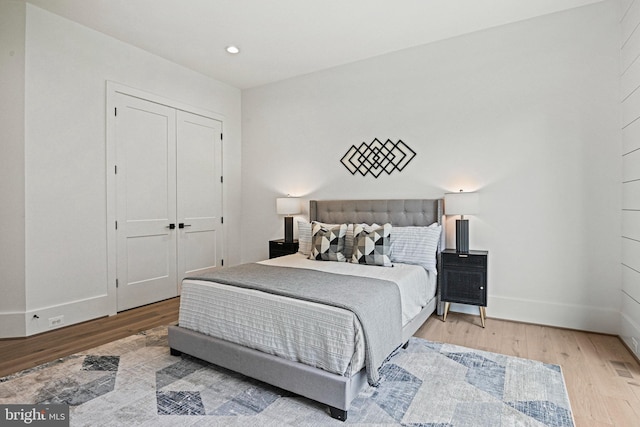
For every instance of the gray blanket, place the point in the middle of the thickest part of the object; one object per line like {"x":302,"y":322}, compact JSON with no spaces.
{"x":375,"y":302}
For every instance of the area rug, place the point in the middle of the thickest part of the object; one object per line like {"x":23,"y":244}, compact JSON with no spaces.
{"x":135,"y":381}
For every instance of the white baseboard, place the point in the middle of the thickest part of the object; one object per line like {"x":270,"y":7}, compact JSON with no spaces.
{"x":630,"y":334}
{"x":31,"y":322}
{"x":12,"y":325}
{"x":592,"y":319}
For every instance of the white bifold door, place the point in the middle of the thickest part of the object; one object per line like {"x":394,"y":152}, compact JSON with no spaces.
{"x":168,"y":198}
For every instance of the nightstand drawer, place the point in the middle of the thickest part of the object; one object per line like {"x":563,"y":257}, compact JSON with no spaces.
{"x":467,"y":260}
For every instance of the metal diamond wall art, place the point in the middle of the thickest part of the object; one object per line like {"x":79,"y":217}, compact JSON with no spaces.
{"x":377,"y":157}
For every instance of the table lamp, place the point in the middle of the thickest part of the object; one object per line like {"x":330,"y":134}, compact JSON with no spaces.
{"x":288,"y":206}
{"x":461,"y":204}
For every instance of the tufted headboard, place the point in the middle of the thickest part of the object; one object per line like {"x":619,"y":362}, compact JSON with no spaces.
{"x":399,"y":212}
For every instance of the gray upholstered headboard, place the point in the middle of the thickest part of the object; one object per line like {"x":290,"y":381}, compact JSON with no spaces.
{"x":399,"y":212}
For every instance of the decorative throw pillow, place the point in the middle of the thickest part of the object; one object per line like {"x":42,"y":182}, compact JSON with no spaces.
{"x":304,"y":237}
{"x":348,"y":240}
{"x":372,"y":245}
{"x":416,"y":245}
{"x":327,"y":242}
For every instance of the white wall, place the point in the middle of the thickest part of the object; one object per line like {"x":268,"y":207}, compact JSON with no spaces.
{"x":12,"y":240}
{"x":526,"y":113}
{"x":67,"y":66}
{"x":629,"y":84}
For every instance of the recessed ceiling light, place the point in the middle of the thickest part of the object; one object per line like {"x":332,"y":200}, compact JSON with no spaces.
{"x":233,"y":49}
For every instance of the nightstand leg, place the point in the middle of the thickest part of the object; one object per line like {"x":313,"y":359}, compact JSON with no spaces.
{"x":446,"y":311}
{"x":483,"y":314}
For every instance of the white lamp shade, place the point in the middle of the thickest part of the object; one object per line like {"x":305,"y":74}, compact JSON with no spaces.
{"x":461,"y":203}
{"x":288,"y":205}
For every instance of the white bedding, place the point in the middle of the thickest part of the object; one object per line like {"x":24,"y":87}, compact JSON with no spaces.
{"x":322,"y":336}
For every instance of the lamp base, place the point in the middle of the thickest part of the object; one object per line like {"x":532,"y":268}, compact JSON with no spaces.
{"x":462,"y":235}
{"x":288,"y":229}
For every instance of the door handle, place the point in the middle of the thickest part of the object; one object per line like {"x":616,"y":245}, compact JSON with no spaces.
{"x":183,"y":225}
{"x":171,"y":226}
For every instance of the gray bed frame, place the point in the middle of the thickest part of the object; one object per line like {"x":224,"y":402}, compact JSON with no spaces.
{"x":334,"y":390}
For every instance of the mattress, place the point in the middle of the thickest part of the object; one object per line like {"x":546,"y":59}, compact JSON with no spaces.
{"x":318,"y":335}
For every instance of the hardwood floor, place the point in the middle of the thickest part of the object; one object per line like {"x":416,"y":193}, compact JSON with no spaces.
{"x":602,"y":376}
{"x":17,"y":354}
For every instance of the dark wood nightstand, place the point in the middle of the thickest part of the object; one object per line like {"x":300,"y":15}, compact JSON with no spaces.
{"x":280,"y":248}
{"x":464,"y":279}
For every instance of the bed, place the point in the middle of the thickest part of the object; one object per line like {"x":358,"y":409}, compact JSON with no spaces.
{"x":213,"y":326}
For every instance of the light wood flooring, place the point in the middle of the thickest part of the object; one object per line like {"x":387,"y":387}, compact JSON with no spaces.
{"x":602,"y":376}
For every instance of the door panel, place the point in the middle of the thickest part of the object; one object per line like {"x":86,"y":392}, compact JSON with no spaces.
{"x":199,"y":193}
{"x":147,"y":258}
{"x":200,"y":251}
{"x":145,"y":135}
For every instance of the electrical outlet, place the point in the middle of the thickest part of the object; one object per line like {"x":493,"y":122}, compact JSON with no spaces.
{"x":634,"y":342}
{"x":54,"y":322}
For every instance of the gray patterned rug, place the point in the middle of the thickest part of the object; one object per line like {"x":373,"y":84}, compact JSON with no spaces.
{"x":134,"y":381}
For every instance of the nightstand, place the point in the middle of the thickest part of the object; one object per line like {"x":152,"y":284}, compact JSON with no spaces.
{"x":464,"y":279}
{"x":280,"y":248}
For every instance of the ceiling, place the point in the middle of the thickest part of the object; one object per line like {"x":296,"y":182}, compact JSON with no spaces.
{"x":280,"y":39}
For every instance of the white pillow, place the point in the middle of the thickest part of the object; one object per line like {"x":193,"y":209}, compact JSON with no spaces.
{"x":348,"y":242}
{"x":416,"y":245}
{"x":304,"y":237}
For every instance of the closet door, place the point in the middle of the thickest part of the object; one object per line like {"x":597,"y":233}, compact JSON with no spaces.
{"x":199,"y":194}
{"x":145,"y":135}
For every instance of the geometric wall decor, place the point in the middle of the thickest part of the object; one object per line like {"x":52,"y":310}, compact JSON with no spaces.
{"x":377,"y":157}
